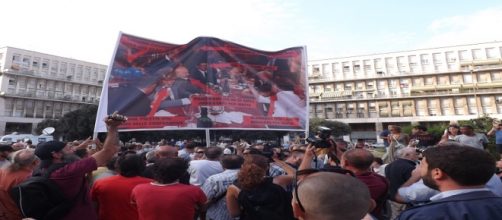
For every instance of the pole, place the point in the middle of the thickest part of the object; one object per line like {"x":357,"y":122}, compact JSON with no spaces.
{"x":208,"y":138}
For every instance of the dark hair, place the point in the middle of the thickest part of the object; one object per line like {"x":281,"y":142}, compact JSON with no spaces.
{"x":191,"y":145}
{"x":131,"y":165}
{"x":467,"y":166}
{"x":112,"y":163}
{"x":213,"y":153}
{"x":232,"y":161}
{"x":168,"y":170}
{"x":359,"y":158}
{"x":82,"y":152}
{"x":420,"y":127}
{"x":378,"y":160}
{"x":467,"y":126}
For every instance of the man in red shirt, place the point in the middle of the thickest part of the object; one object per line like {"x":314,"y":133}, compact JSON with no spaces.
{"x":113,"y":194}
{"x":23,"y":163}
{"x":71,"y":176}
{"x":166,"y":198}
{"x":359,"y":162}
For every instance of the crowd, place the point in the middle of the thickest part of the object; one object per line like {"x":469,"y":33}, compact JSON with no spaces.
{"x":449,"y":178}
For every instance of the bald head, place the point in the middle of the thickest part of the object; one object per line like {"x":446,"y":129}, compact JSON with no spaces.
{"x":327,"y":195}
{"x":358,"y":159}
{"x":22,"y":159}
{"x":409,"y":153}
{"x":166,"y":151}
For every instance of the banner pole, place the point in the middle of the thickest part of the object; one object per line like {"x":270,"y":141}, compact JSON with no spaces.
{"x":208,"y":138}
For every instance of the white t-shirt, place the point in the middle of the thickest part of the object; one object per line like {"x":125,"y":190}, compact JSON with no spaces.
{"x":200,"y":170}
{"x":474,"y":141}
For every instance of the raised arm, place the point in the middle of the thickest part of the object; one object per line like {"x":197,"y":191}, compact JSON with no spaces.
{"x":111,"y":145}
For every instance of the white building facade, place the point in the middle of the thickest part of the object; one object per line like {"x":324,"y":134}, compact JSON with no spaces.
{"x":36,"y":86}
{"x":418,"y":86}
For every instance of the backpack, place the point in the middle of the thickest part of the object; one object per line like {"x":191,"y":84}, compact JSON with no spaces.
{"x":267,"y":201}
{"x":40,"y":198}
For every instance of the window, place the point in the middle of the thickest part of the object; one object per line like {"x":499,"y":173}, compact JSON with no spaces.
{"x":424,"y":58}
{"x":389,"y":61}
{"x":401,"y":62}
{"x":476,"y":54}
{"x":450,"y":57}
{"x":315,"y":70}
{"x":467,"y":78}
{"x":325,"y":69}
{"x":463,"y":55}
{"x":346,"y":66}
{"x":367,"y":65}
{"x":336,"y":67}
{"x":437,"y":58}
{"x":12,"y":82}
{"x":491,"y":53}
{"x":36,"y":62}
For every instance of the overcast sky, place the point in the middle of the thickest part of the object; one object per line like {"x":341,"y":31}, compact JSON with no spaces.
{"x":88,"y":30}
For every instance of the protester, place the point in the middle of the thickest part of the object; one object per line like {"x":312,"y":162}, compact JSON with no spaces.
{"x":497,"y":132}
{"x":331,"y":196}
{"x":113,"y":195}
{"x":188,"y":151}
{"x":256,"y":196}
{"x":166,"y":198}
{"x":215,"y":187}
{"x":398,"y":172}
{"x":398,"y":140}
{"x":460,"y":174}
{"x":23,"y":163}
{"x":200,"y":170}
{"x":421,"y":138}
{"x":469,"y":137}
{"x":359,"y":161}
{"x":163,"y":151}
{"x":450,"y":133}
{"x":69,"y":177}
{"x":5,"y":151}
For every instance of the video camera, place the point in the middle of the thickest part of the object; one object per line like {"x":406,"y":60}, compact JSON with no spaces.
{"x":321,"y":140}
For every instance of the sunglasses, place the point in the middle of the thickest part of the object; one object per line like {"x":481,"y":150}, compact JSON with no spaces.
{"x":199,"y":152}
{"x":306,"y":172}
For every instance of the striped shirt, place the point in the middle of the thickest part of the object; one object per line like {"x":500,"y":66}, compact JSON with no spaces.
{"x":214,"y":187}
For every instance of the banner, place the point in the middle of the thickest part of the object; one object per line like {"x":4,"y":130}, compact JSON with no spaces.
{"x":207,"y":83}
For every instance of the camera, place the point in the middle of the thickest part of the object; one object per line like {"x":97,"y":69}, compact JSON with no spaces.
{"x":117,"y":117}
{"x":321,"y":140}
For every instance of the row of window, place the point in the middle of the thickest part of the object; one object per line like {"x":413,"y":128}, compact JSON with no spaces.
{"x":37,"y":109}
{"x":403,"y":83}
{"x":424,"y":104}
{"x":57,"y":68}
{"x":441,"y":61}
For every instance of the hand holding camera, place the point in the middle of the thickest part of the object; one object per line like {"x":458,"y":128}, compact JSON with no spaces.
{"x":115,"y":119}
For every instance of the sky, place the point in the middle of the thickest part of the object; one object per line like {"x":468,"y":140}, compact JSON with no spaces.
{"x":88,"y":30}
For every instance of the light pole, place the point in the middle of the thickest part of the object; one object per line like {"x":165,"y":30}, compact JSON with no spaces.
{"x":475,"y":82}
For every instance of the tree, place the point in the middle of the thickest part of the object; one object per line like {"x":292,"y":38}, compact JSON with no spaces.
{"x":338,"y":128}
{"x":50,"y":123}
{"x":79,"y":124}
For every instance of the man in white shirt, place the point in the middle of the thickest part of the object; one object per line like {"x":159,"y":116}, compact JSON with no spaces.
{"x":200,"y":170}
{"x":468,"y":137}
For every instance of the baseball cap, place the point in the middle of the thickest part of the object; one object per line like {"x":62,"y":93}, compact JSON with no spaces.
{"x":44,"y":150}
{"x":6,"y":147}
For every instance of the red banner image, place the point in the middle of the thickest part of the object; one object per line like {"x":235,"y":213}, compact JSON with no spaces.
{"x":207,"y":83}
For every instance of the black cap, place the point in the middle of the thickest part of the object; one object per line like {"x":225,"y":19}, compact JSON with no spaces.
{"x":6,"y":147}
{"x":44,"y":150}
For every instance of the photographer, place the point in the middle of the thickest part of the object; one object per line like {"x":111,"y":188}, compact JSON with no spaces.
{"x":326,"y":152}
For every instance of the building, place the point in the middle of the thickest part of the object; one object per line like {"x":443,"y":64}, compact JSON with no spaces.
{"x":428,"y":85}
{"x":36,"y":86}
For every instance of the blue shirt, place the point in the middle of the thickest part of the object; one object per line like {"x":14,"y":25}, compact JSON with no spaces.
{"x":214,"y":187}
{"x":498,"y":137}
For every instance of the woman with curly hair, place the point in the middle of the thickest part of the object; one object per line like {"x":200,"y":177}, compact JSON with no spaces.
{"x":255,"y":195}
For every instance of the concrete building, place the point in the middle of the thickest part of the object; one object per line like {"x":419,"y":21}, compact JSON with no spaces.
{"x":36,"y":86}
{"x":427,"y":85}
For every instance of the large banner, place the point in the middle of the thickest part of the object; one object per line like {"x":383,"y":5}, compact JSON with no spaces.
{"x":207,"y":83}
